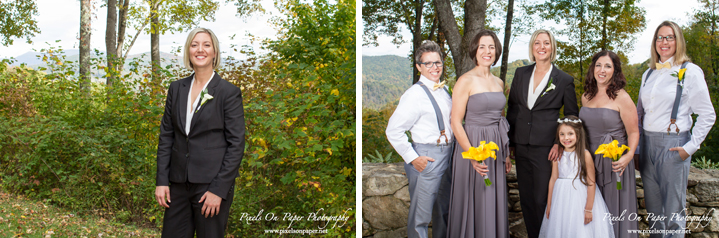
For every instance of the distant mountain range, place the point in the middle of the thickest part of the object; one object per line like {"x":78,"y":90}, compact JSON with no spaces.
{"x":31,"y":58}
{"x":385,"y":78}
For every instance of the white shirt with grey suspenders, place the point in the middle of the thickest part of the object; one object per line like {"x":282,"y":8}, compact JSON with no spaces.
{"x":416,"y":114}
{"x":656,"y":101}
{"x":425,"y":113}
{"x":664,"y":109}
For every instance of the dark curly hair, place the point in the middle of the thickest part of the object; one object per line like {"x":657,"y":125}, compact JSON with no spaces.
{"x":616,"y":83}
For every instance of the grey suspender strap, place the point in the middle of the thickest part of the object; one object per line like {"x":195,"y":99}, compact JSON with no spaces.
{"x":437,"y":111}
{"x":649,"y":73}
{"x":675,"y":108}
{"x":677,"y":97}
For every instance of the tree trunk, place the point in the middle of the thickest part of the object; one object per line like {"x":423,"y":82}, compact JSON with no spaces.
{"x":417,"y":36}
{"x":712,"y":37}
{"x":155,"y":43}
{"x":132,"y":42}
{"x":507,"y":36}
{"x":85,"y":28}
{"x":433,"y":29}
{"x":604,"y":24}
{"x":111,"y":40}
{"x":581,"y":44}
{"x":474,"y":14}
{"x":121,"y":26}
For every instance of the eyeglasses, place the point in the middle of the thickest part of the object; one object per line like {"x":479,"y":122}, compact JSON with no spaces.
{"x":669,"y":38}
{"x":429,"y":65}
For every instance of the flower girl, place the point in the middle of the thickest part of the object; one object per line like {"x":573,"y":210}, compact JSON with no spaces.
{"x":575,"y":207}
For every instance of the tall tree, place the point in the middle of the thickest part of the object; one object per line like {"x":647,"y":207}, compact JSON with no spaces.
{"x":17,"y":20}
{"x":507,"y":36}
{"x":155,"y":39}
{"x":117,"y":11}
{"x":85,"y":11}
{"x":458,"y":38}
{"x":111,"y":39}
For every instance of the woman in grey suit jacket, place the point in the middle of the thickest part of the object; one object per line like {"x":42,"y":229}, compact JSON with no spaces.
{"x":201,"y":144}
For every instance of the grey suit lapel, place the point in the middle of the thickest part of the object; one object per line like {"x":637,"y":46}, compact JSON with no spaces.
{"x":210,"y":90}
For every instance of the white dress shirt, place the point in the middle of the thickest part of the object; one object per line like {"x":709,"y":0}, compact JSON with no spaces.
{"x":656,"y":99}
{"x":191,"y":105}
{"x":415,"y":114}
{"x":534,"y":94}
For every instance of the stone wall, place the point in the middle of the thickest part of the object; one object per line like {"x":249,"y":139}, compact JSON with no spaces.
{"x":385,"y":202}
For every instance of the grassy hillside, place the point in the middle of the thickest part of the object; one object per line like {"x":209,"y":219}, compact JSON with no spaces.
{"x":23,"y":217}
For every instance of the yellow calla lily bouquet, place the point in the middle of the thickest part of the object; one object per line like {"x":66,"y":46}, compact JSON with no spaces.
{"x":614,"y":152}
{"x":481,"y":153}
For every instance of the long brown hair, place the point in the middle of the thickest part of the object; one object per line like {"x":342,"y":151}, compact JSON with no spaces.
{"x":616,"y":83}
{"x":579,"y":147}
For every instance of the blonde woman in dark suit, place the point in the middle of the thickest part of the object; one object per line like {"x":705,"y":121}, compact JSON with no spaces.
{"x":537,"y":94}
{"x":201,"y":144}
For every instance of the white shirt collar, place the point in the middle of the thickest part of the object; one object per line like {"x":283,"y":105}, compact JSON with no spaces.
{"x":669,"y":60}
{"x":191,"y":104}
{"x":427,"y":82}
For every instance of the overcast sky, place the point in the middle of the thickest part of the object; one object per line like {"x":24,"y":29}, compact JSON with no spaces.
{"x":60,"y":20}
{"x":656,"y":12}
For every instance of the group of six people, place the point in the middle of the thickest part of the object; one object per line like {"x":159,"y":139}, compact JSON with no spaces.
{"x":565,"y":189}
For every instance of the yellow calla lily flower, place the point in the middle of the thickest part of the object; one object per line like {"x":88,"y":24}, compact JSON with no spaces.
{"x":681,"y":73}
{"x":481,"y":152}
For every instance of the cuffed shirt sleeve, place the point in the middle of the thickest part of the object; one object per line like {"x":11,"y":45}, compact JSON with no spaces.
{"x":700,"y":103}
{"x":403,"y":118}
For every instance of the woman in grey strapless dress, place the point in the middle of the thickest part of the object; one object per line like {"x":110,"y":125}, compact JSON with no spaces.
{"x":477,"y":210}
{"x":609,"y":114}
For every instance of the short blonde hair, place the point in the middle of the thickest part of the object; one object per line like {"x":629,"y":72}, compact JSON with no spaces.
{"x":680,"y":55}
{"x":553,"y":55}
{"x":215,"y":47}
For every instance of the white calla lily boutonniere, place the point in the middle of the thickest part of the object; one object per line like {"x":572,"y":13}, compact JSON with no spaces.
{"x":550,"y":88}
{"x":204,"y":97}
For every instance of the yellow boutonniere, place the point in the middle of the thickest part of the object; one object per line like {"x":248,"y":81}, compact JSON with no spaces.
{"x":481,"y":153}
{"x":680,"y":75}
{"x":614,"y":152}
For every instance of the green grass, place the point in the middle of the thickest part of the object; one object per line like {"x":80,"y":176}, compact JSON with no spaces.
{"x":22,"y":217}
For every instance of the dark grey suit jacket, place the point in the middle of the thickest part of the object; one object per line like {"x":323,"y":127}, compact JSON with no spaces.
{"x":213,"y":150}
{"x":539,"y":125}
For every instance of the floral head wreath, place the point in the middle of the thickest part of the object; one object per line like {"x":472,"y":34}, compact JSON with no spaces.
{"x":565,"y":120}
